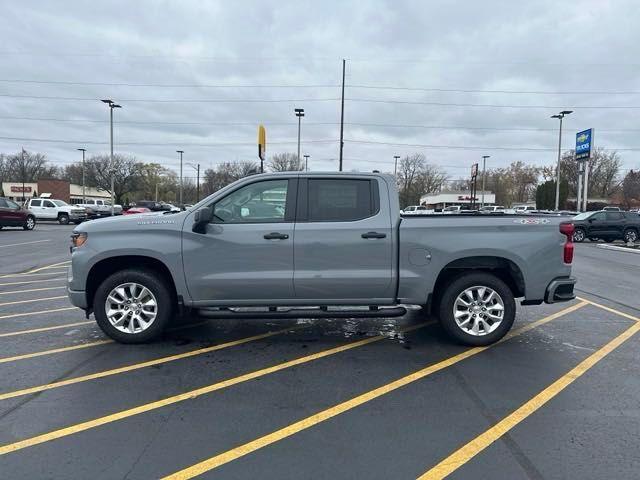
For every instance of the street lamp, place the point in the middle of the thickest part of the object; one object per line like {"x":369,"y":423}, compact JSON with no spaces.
{"x":306,"y":162}
{"x":180,"y":152}
{"x":82,"y":150}
{"x":484,"y":168}
{"x":197,"y":169}
{"x":299,"y":114}
{"x":111,"y":105}
{"x":395,"y":166}
{"x":559,"y":116}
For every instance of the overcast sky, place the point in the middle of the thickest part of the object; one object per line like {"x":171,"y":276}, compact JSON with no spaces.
{"x":201,"y":75}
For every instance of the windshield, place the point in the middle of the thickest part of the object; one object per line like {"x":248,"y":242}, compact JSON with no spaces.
{"x":583,"y":216}
{"x":59,"y":203}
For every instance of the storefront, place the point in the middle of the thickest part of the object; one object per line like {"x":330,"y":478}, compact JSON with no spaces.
{"x":444,"y":199}
{"x":18,"y":191}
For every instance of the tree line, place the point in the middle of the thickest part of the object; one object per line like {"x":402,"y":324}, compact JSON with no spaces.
{"x":415,"y":176}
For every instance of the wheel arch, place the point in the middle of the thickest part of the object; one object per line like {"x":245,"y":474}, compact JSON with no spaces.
{"x":107,"y":266}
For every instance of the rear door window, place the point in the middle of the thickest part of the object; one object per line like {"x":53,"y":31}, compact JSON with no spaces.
{"x":36,"y":203}
{"x":614,"y":216}
{"x":344,"y":200}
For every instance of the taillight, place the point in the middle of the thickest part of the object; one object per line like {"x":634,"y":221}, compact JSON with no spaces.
{"x":567,"y":230}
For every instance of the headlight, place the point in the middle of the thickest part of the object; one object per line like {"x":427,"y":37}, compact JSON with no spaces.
{"x":78,"y":239}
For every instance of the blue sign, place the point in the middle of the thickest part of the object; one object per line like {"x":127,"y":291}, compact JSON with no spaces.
{"x":584,"y":142}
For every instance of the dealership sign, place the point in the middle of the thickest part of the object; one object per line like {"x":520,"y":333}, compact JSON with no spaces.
{"x":584,"y":144}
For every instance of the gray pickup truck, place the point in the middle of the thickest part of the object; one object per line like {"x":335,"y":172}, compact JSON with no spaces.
{"x":316,"y":245}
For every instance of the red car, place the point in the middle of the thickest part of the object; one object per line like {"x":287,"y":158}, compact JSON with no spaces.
{"x":13,"y":215}
{"x":134,"y":210}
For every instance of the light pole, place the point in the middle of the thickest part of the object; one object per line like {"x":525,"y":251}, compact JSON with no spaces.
{"x":197,"y":169}
{"x":112,"y":105}
{"x":306,"y":162}
{"x":395,"y":165}
{"x":484,"y":168}
{"x":180,"y":152}
{"x":82,"y":150}
{"x":559,"y":116}
{"x":299,"y":114}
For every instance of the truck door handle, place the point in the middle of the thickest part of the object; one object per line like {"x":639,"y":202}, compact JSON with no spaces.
{"x":374,"y":235}
{"x":276,"y":236}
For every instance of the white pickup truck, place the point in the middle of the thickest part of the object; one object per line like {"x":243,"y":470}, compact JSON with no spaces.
{"x":100,"y":208}
{"x":52,"y":209}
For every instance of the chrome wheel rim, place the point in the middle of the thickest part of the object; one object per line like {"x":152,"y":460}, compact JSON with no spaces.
{"x":131,"y":308}
{"x":478,"y":310}
{"x":578,"y":235}
{"x":631,"y":236}
{"x":30,"y":223}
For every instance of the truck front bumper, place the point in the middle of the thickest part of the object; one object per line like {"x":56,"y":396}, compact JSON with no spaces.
{"x":77,"y":298}
{"x":560,"y":290}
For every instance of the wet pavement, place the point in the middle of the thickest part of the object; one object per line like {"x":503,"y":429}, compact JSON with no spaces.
{"x":323,"y":398}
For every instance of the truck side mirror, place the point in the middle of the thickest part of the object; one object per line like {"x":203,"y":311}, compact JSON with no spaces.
{"x":201,"y":218}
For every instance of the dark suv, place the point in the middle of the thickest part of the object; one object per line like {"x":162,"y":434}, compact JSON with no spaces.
{"x":12,"y":215}
{"x":607,"y":225}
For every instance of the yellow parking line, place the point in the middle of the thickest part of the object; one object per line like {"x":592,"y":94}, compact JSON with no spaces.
{"x":47,"y":267}
{"x":31,"y":300}
{"x":611,"y":310}
{"x":45,"y":329}
{"x":9,"y":275}
{"x":482,"y":441}
{"x":33,"y":281}
{"x":55,"y":350}
{"x":149,"y":363}
{"x":27,"y":314}
{"x":17,"y":292}
{"x":81,"y":427}
{"x":331,"y":412}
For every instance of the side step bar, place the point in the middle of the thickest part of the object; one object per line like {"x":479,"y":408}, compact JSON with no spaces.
{"x":304,"y":313}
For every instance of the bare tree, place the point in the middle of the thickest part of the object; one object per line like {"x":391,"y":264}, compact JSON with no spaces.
{"x":415,"y":178}
{"x":226,"y":173}
{"x":631,"y":188}
{"x":28,"y":167}
{"x":604,"y":172}
{"x":285,"y":162}
{"x":125,"y":170}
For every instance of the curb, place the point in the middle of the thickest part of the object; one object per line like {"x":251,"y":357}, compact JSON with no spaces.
{"x":619,"y":249}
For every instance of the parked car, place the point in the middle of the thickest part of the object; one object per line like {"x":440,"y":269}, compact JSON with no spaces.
{"x":452,"y":210}
{"x":413,"y":210}
{"x":134,"y":210}
{"x":150,"y":204}
{"x":100,"y":208}
{"x":607,"y":225}
{"x":520,"y":209}
{"x":492,"y":209}
{"x":167,"y":207}
{"x":52,"y":209}
{"x":13,"y":215}
{"x":354,"y":257}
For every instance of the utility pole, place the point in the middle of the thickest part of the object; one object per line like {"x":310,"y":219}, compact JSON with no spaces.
{"x":395,"y":166}
{"x":197,"y":169}
{"x":306,"y":163}
{"x":111,"y":105}
{"x":24,"y":173}
{"x":180,"y":152}
{"x":299,"y":114}
{"x":559,"y":116}
{"x":83,"y":185}
{"x":484,"y":168}
{"x":344,"y":62}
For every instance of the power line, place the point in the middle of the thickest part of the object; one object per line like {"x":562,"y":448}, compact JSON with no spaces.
{"x":159,"y":85}
{"x":461,"y":90}
{"x":176,"y":100}
{"x":489,"y":105}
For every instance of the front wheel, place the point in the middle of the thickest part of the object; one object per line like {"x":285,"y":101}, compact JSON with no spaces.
{"x":133,"y":306}
{"x":63,"y":219}
{"x":579,"y":235}
{"x":477,"y":309}
{"x":30,"y":223}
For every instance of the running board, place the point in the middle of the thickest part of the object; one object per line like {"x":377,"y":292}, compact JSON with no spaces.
{"x":304,"y":313}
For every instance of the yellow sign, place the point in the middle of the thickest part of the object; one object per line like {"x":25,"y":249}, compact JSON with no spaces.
{"x":262,"y":142}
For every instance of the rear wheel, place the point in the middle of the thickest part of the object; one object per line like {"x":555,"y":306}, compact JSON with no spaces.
{"x":29,"y":223}
{"x":477,"y":309}
{"x":63,"y":219}
{"x":630,"y":236}
{"x":133,"y":306}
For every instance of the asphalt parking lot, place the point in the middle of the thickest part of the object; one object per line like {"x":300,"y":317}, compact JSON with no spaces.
{"x":559,"y":397}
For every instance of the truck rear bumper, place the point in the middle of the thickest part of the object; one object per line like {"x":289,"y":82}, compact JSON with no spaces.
{"x":560,"y":290}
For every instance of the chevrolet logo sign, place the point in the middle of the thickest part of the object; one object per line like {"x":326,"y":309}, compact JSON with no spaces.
{"x":582,"y":137}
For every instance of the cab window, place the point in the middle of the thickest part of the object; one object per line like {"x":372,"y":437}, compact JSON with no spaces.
{"x":48,"y":204}
{"x":260,"y":202}
{"x":36,"y":203}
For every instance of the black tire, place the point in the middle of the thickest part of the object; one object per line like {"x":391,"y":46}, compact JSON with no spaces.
{"x":148,"y":279}
{"x":30,"y":223}
{"x":630,"y":235}
{"x":456,"y":287}
{"x":63,"y":219}
{"x":579,"y":235}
